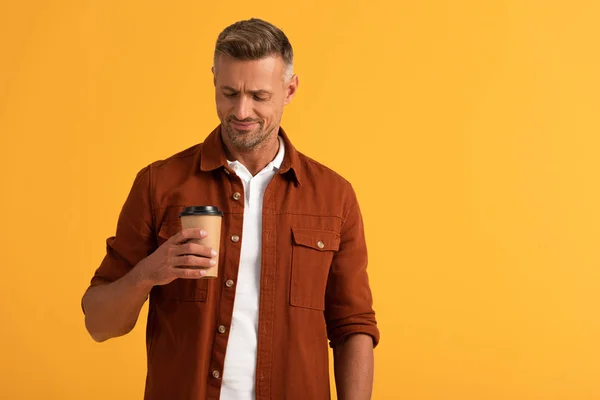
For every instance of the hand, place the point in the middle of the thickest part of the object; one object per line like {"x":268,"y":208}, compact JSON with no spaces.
{"x":176,"y":258}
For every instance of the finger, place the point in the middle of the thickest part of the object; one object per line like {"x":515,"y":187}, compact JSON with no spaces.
{"x":188,"y":273}
{"x":195,"y":249}
{"x":187,"y":261}
{"x":186,"y":234}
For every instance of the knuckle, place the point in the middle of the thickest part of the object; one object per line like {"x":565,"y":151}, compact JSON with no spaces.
{"x":190,"y":260}
{"x":183,"y":260}
{"x":170,"y":251}
{"x":170,"y":261}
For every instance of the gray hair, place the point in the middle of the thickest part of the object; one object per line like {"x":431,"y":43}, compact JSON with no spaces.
{"x":255,"y":39}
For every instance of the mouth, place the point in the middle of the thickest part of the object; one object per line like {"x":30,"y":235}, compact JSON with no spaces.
{"x":242,"y":125}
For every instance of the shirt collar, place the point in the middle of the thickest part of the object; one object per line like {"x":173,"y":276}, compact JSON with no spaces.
{"x":278,"y":160}
{"x":274,"y":165}
{"x":212,"y":155}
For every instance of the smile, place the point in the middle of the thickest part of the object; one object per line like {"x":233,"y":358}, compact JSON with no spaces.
{"x":242,"y":125}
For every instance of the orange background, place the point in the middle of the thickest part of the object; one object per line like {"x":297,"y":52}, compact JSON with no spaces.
{"x":468,"y":128}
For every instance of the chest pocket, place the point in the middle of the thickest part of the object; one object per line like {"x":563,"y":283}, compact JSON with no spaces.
{"x":180,"y":289}
{"x":312,"y":253}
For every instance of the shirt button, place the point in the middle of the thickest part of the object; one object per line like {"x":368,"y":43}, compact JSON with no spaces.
{"x":227,"y":172}
{"x":320,"y":244}
{"x":216,"y":374}
{"x":229,"y":283}
{"x":236,"y":196}
{"x":222,"y":329}
{"x":235,"y":238}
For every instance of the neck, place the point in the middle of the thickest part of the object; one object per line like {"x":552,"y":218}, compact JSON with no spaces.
{"x":257,"y":158}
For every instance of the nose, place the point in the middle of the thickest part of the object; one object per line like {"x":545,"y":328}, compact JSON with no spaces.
{"x":242,"y":109}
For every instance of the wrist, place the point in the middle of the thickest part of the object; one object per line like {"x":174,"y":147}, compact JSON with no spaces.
{"x":140,"y":279}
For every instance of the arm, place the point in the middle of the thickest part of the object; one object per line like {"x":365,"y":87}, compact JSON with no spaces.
{"x":353,"y":364}
{"x":351,"y":323}
{"x":112,"y":309}
{"x":133,"y":265}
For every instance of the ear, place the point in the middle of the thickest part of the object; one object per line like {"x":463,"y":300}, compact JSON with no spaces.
{"x":212,"y":69}
{"x":290,"y":89}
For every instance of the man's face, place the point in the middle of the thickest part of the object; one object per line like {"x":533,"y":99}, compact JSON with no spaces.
{"x":250,"y":97}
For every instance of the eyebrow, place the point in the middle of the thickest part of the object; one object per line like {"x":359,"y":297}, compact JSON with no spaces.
{"x":254,"y":92}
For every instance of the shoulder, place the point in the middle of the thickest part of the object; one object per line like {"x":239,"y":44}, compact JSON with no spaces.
{"x":177,"y":166}
{"x":324,"y":180}
{"x":163,"y":174}
{"x":182,"y":158}
{"x":318,"y":173}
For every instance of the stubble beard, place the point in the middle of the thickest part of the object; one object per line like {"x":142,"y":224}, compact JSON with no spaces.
{"x":247,"y":140}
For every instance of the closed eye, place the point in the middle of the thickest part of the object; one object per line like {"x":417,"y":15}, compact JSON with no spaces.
{"x":256,"y":97}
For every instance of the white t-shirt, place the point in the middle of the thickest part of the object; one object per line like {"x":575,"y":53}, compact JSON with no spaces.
{"x":239,"y":371}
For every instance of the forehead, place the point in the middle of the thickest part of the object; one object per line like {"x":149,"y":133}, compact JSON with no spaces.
{"x":264,"y":72}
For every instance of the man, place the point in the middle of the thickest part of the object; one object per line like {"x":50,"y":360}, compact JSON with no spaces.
{"x":292,"y":262}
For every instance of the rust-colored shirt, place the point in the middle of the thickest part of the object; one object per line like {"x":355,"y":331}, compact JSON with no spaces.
{"x":313,"y":284}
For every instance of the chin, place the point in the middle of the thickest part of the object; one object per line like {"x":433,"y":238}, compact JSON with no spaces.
{"x":243,"y":140}
{"x":243,"y":131}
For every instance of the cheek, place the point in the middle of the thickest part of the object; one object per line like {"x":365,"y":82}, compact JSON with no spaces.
{"x":222,"y":107}
{"x":267,"y":112}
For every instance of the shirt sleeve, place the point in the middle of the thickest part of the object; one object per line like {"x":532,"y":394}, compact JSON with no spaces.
{"x":134,"y":238}
{"x":348,"y":298}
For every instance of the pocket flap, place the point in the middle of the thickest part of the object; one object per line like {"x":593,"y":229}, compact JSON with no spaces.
{"x":168,"y":229}
{"x":316,"y":239}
